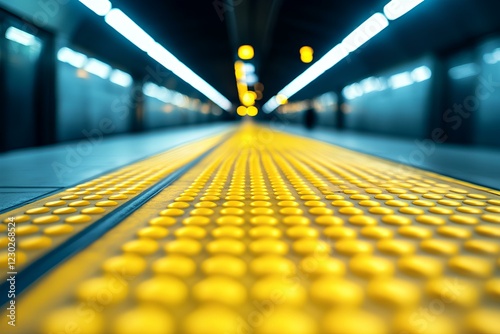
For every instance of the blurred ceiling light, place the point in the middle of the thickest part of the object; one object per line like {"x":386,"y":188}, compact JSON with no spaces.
{"x":245,"y":52}
{"x":251,"y":78}
{"x":252,"y":111}
{"x":463,"y":71}
{"x":100,"y":7}
{"x":131,"y":31}
{"x":76,"y":59}
{"x":248,"y":99}
{"x":421,"y":73}
{"x":352,"y":91}
{"x":82,"y":74}
{"x":249,"y":68}
{"x":120,"y":78}
{"x":366,"y":31}
{"x":397,"y":8}
{"x":241,"y":111}
{"x":400,"y":80}
{"x":371,"y":84}
{"x":281,"y":99}
{"x":258,"y":87}
{"x":98,"y":68}
{"x":21,"y":37}
{"x":306,"y":54}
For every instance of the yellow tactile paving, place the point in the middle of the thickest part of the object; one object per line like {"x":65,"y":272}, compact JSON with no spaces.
{"x":50,"y":221}
{"x":273,"y":233}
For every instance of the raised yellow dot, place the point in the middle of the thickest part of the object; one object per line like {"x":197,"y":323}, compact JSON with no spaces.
{"x":415,"y":232}
{"x":371,"y":266}
{"x":141,"y":246}
{"x":224,"y":265}
{"x":261,"y":211}
{"x":79,"y":203}
{"x":291,"y":211}
{"x":376,"y":232}
{"x":183,"y":246}
{"x":184,"y":199}
{"x":482,"y":321}
{"x":489,"y":231}
{"x":362,"y":220}
{"x":394,"y":292}
{"x":352,"y":321}
{"x":384,"y":197}
{"x":396,"y":247}
{"x":471,"y":266}
{"x":287,"y":320}
{"x":263,"y":220}
{"x":232,"y":211}
{"x":55,"y":203}
{"x":272,"y":264}
{"x":453,"y":290}
{"x":491,"y":218}
{"x":339,"y":232}
{"x":329,"y":220}
{"x":17,"y":219}
{"x":342,"y":203}
{"x":301,"y":231}
{"x":482,"y":246}
{"x":154,"y":291}
{"x":78,"y":219}
{"x":396,"y":220}
{"x":210,"y":198}
{"x":264,"y":231}
{"x":226,"y":246}
{"x":210,"y":319}
{"x":235,"y":204}
{"x":494,"y":209}
{"x":106,"y":203}
{"x":128,"y":265}
{"x":162,"y":221}
{"x":37,"y":211}
{"x":196,"y":220}
{"x":268,"y":246}
{"x":69,"y":197}
{"x":396,"y":203}
{"x":72,"y":319}
{"x":153,"y":232}
{"x":172,"y":212}
{"x":466,"y":220}
{"x":93,"y":211}
{"x":334,"y":197}
{"x":492,"y":288}
{"x":381,"y":211}
{"x":34,"y":243}
{"x":335,"y":291}
{"x":220,"y":289}
{"x":144,"y":319}
{"x":353,"y":247}
{"x":296,"y":220}
{"x":176,"y":265}
{"x":58,"y":230}
{"x":98,"y":287}
{"x":26,"y":229}
{"x":420,"y":266}
{"x":289,"y":291}
{"x":351,"y":211}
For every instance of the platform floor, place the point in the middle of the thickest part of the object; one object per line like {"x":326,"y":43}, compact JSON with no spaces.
{"x":250,"y":230}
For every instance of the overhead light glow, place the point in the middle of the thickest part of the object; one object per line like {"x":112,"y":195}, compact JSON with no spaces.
{"x":400,"y":80}
{"x":120,"y":78}
{"x":248,"y":99}
{"x":98,"y":68}
{"x":366,"y":31}
{"x":245,"y":52}
{"x":421,"y":73}
{"x":131,"y":31}
{"x":21,"y":37}
{"x":463,"y":71}
{"x":100,"y":7}
{"x":397,"y":8}
{"x":71,"y":57}
{"x":241,"y":111}
{"x":252,"y":111}
{"x":306,"y":54}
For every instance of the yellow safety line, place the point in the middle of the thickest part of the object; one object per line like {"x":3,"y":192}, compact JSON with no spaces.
{"x":46,"y":223}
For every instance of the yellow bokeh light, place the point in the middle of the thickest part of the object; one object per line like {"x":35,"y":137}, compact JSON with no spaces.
{"x":282,"y":99}
{"x":306,"y":54}
{"x":252,"y":111}
{"x":245,"y":52}
{"x":241,"y":110}
{"x":248,"y":98}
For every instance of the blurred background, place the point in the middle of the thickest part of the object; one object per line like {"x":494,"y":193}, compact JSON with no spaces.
{"x":65,"y":72}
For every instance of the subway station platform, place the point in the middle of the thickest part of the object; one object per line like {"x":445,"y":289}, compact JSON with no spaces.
{"x":250,"y":229}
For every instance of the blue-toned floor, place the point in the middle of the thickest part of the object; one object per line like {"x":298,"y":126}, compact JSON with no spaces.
{"x":30,"y":173}
{"x":480,"y":165}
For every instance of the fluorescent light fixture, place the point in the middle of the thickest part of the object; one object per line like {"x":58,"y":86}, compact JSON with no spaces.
{"x":397,"y":8}
{"x":21,"y":37}
{"x":463,"y":71}
{"x":71,"y":57}
{"x":366,"y":31}
{"x":400,"y":80}
{"x":120,"y":78}
{"x":98,"y":68}
{"x":100,"y":7}
{"x":493,"y":57}
{"x":372,"y":84}
{"x":421,"y":73}
{"x":131,"y":31}
{"x":352,"y":91}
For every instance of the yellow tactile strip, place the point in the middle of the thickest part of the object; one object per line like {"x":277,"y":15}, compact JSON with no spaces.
{"x":294,"y":236}
{"x":46,"y":223}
